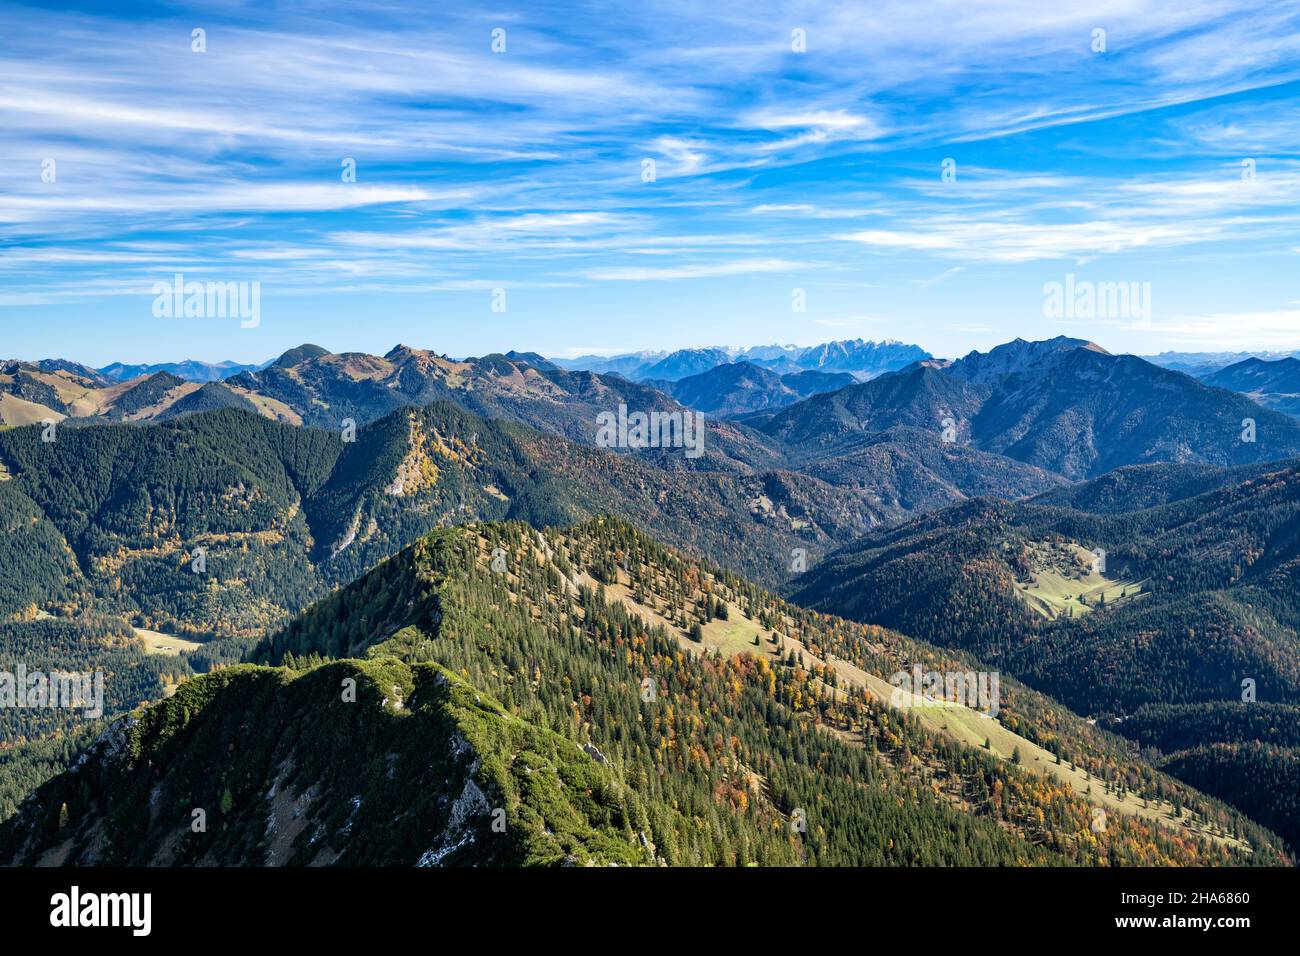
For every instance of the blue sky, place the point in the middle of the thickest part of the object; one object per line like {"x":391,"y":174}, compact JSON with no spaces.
{"x":522,"y":170}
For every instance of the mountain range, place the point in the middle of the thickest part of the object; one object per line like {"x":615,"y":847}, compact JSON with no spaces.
{"x":497,"y":583}
{"x":191,"y":370}
{"x":1018,"y":421}
{"x":861,"y":358}
{"x":1064,"y":405}
{"x":498,"y":695}
{"x":1205,"y":363}
{"x":742,"y":388}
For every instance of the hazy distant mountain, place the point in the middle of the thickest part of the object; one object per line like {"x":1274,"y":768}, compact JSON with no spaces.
{"x":812,"y":382}
{"x":1017,"y":357}
{"x":860,"y":358}
{"x":769,"y":355}
{"x":626,"y":365}
{"x":1204,"y":363}
{"x":739,"y":387}
{"x":682,"y":363}
{"x":190,"y":370}
{"x":1273,"y":384}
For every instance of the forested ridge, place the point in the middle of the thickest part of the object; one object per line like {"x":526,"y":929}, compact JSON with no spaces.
{"x":760,"y":756}
{"x":112,"y":517}
{"x":555,"y":639}
{"x":261,"y":766}
{"x":1209,"y":622}
{"x":1247,"y":754}
{"x":102,"y":529}
{"x":1215,"y":575}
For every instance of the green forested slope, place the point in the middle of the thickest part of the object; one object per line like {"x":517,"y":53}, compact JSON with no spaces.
{"x":417,"y":769}
{"x":761,"y":756}
{"x":1207,"y":622}
{"x":554,"y":636}
{"x":112,"y":517}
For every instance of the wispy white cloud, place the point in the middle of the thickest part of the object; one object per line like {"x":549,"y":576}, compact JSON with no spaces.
{"x":244,"y":197}
{"x":703,"y":271}
{"x":809,"y":210}
{"x":1017,"y":221}
{"x":1263,"y":329}
{"x":524,"y":167}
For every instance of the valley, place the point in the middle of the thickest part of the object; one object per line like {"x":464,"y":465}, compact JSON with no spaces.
{"x":1198,"y":604}
{"x":778,"y":756}
{"x":1066,"y":579}
{"x":844,"y":456}
{"x":183,"y":535}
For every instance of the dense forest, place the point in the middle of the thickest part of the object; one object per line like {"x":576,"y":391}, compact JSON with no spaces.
{"x":37,"y":742}
{"x":221,"y":527}
{"x":1205,"y":619}
{"x":417,"y":769}
{"x":112,"y":518}
{"x":1248,"y":755}
{"x":554,"y":638}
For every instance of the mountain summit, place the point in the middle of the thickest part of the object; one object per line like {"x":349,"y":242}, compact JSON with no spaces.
{"x":1018,"y":357}
{"x":1065,"y":405}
